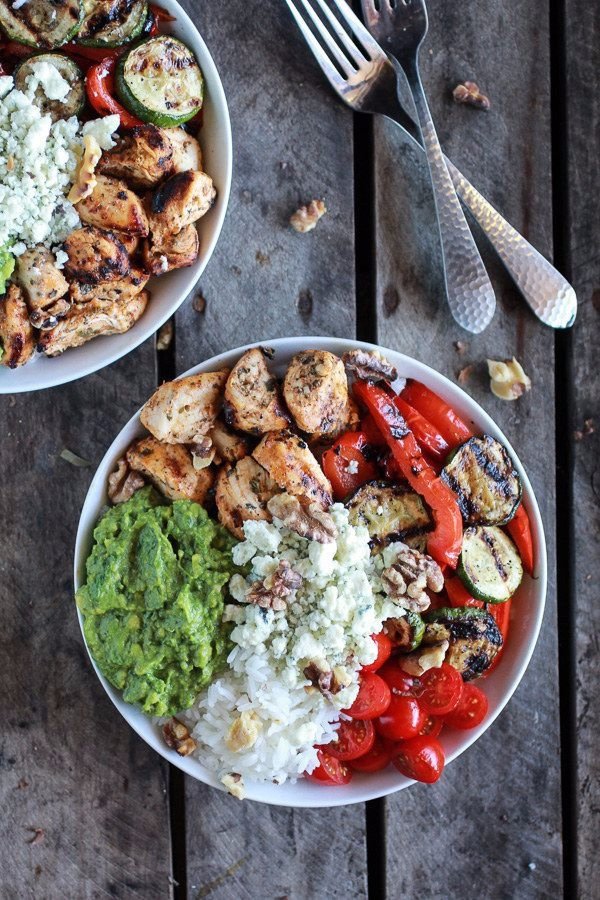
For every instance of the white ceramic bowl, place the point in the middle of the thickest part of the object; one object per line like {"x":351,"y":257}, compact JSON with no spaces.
{"x":169,"y":291}
{"x":499,"y":686}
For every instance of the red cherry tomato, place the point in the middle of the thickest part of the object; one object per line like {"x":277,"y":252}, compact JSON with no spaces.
{"x":398,"y":681}
{"x":384,"y":651}
{"x":343,"y":458}
{"x":355,"y":738}
{"x":330,"y":770}
{"x":471,"y":710}
{"x":373,"y":698}
{"x":403,"y":719}
{"x":432,"y":727}
{"x":422,"y":758}
{"x":377,"y":758}
{"x":442,"y":690}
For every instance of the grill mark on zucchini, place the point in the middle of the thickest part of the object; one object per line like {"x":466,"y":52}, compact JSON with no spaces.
{"x":491,"y":469}
{"x":488,"y":540}
{"x":482,"y":476}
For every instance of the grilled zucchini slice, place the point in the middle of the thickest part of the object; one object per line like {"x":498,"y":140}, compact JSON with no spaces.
{"x":111,"y":23}
{"x":159,"y":80}
{"x":41,"y":23}
{"x":473,"y":636}
{"x":389,"y":511}
{"x":73,"y":103}
{"x":490,"y":566}
{"x":487,"y":486}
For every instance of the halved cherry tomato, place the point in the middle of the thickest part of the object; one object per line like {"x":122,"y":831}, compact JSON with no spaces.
{"x":458,"y":595}
{"x":471,"y":710}
{"x":445,"y":541}
{"x":428,"y":437}
{"x":442,"y":690}
{"x":403,"y":719}
{"x":432,"y":727}
{"x":501,"y":614}
{"x":372,"y":700}
{"x":330,"y":770}
{"x":435,"y":410}
{"x":519,"y":529}
{"x":398,"y":681}
{"x":99,"y":85}
{"x":384,"y":651}
{"x":354,"y":739}
{"x":421,"y":758}
{"x":346,"y":465}
{"x":377,"y":758}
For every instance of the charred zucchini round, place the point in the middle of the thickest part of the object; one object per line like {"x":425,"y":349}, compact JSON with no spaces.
{"x":111,"y":23}
{"x":473,"y":636}
{"x":39,"y":23}
{"x":73,"y":103}
{"x":487,"y":486}
{"x":390,"y":512}
{"x":159,"y":80}
{"x":489,"y":566}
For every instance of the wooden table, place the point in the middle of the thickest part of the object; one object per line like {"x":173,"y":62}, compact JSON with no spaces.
{"x":114,"y":819}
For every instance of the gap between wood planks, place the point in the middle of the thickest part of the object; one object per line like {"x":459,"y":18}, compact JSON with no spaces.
{"x":564,"y":393}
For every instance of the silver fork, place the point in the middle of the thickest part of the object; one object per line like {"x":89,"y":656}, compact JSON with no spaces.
{"x":368,"y":85}
{"x":400,"y":27}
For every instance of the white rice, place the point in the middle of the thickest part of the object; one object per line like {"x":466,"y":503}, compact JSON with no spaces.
{"x":330,"y":619}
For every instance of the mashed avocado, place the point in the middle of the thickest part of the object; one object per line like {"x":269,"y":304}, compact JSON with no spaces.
{"x":153,"y":601}
{"x":7,"y":266}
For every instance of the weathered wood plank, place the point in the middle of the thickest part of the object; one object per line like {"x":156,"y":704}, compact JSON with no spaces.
{"x":492,"y":825}
{"x":293,"y":143}
{"x":583,"y":138}
{"x":70,"y":766}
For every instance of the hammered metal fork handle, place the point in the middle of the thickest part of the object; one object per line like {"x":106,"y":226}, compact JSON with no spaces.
{"x":547,"y":292}
{"x":470,"y":293}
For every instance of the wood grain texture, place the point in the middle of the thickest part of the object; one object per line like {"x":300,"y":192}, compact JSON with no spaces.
{"x":493,"y":823}
{"x":292,"y":143}
{"x":583,"y":65}
{"x":69,"y":764}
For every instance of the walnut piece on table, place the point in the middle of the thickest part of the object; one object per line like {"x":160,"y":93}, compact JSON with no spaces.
{"x":178,"y":737}
{"x":469,"y":93}
{"x":508,"y":381}
{"x":234,"y":784}
{"x":274,"y":591}
{"x":306,"y":217}
{"x":406,"y":581}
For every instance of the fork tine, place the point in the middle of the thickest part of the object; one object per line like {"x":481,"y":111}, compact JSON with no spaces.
{"x":368,"y":42}
{"x":334,"y":48}
{"x":330,"y":71}
{"x":370,"y":13}
{"x":355,"y":52}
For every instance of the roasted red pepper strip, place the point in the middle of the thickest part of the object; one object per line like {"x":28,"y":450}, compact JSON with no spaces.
{"x":161,"y":14}
{"x":99,"y":84}
{"x":459,"y":595}
{"x":95,"y":54}
{"x":444,"y":543}
{"x":501,"y":613}
{"x":519,"y":529}
{"x":12,"y":48}
{"x":435,"y":410}
{"x":428,"y":437}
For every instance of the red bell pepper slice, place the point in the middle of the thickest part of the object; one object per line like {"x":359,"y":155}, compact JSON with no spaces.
{"x":444,"y":543}
{"x":100,"y":86}
{"x":91,"y":54}
{"x":501,"y":614}
{"x":428,"y":437}
{"x":435,"y":410}
{"x":161,"y":14}
{"x":519,"y":529}
{"x":459,"y":595}
{"x":346,"y":465}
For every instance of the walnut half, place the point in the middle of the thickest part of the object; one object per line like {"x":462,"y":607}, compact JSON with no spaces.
{"x":369,"y":365}
{"x":310,"y":521}
{"x":306,"y":218}
{"x":123,"y":483}
{"x":508,"y":381}
{"x":274,"y":590}
{"x":406,"y":580}
{"x":178,"y":737}
{"x":328,"y":681}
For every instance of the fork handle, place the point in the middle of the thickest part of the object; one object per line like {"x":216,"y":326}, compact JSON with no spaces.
{"x":547,"y":292}
{"x":468,"y":287}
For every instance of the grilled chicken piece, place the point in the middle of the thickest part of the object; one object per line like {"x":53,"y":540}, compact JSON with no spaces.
{"x":89,"y":320}
{"x":186,"y":151}
{"x":112,"y":206}
{"x":95,"y":256}
{"x":131,"y":242}
{"x":44,"y":285}
{"x":143,"y":157}
{"x":289,"y":462}
{"x":252,"y":399}
{"x":179,"y":201}
{"x":164,"y":251}
{"x":17,"y":337}
{"x":315,"y":389}
{"x":229,"y":446}
{"x":242,"y":494}
{"x":110,"y":291}
{"x":181,"y":411}
{"x":169,"y":467}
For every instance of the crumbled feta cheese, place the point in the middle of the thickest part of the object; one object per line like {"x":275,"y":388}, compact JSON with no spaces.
{"x":47,"y":76}
{"x":352,"y":467}
{"x":102,"y":130}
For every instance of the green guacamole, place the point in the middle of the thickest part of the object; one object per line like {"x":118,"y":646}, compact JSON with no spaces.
{"x":7,"y":266}
{"x":153,"y":601}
